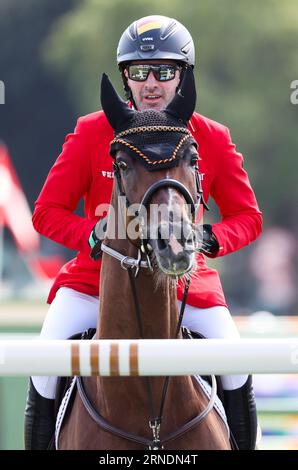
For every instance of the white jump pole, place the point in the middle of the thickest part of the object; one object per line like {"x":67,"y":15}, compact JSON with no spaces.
{"x":148,"y":357}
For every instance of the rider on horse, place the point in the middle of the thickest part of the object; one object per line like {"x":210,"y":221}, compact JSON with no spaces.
{"x":153,"y":54}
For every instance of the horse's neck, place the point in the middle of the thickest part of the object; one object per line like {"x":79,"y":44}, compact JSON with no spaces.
{"x":118,"y":316}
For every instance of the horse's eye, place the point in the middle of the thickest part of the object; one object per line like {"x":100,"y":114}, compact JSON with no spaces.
{"x":194,"y":160}
{"x":122,"y":165}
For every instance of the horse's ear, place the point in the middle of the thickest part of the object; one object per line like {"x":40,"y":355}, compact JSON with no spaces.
{"x":116,"y":110}
{"x":183,"y":104}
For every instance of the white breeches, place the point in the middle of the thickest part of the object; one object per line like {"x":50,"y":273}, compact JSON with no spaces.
{"x":73,"y":312}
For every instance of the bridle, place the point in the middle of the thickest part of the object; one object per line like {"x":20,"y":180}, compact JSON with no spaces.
{"x":163,"y":183}
{"x":129,"y":263}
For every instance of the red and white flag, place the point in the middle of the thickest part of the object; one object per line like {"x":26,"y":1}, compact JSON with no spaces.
{"x":14,"y":209}
{"x":16,"y":215}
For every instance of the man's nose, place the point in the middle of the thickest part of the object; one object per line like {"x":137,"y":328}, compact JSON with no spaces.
{"x":151,"y":80}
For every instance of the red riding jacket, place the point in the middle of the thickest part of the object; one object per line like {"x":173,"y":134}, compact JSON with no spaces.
{"x":84,"y":169}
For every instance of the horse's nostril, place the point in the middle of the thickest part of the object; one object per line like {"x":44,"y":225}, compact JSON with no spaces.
{"x":189,"y":242}
{"x":180,"y":256}
{"x":161,"y":243}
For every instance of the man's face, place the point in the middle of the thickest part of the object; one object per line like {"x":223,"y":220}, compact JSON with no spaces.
{"x":152,"y":93}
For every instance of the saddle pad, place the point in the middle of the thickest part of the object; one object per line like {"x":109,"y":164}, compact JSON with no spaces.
{"x":218,"y":406}
{"x":62,"y":410}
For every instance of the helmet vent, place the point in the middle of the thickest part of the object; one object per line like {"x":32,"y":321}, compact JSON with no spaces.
{"x":132,"y":31}
{"x":170,"y":29}
{"x":185,"y":49}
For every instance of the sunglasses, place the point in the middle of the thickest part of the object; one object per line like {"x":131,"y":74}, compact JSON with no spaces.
{"x":162,"y":72}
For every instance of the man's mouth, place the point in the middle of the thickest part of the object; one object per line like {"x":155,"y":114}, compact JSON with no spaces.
{"x":152,"y":97}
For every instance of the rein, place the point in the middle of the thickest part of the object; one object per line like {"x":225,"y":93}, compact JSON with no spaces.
{"x":155,"y":423}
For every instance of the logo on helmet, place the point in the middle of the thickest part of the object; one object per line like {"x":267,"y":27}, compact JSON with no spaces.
{"x":148,"y":25}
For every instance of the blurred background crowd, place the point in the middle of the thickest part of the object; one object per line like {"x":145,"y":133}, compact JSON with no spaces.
{"x":52,"y":54}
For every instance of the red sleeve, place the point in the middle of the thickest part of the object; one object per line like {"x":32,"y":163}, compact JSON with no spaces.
{"x":241,"y":219}
{"x":67,"y":182}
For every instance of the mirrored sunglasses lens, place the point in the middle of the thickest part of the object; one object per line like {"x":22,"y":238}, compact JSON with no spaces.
{"x":138,"y":73}
{"x":166,"y":72}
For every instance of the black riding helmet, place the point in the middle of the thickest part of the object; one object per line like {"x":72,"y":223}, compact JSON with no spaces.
{"x":155,"y":37}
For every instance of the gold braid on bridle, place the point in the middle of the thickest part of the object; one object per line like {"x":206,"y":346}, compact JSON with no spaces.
{"x":137,"y":130}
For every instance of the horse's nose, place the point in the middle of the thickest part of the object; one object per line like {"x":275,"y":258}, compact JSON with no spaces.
{"x":175,"y":249}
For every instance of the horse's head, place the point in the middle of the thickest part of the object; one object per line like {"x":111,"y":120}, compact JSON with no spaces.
{"x":156,"y":168}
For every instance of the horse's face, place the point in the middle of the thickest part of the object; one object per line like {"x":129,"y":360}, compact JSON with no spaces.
{"x":168,"y":222}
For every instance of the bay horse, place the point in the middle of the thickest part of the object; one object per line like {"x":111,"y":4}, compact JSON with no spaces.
{"x":155,"y":163}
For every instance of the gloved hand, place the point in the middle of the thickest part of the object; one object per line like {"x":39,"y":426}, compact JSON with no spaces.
{"x":96,"y":237}
{"x":210,"y":245}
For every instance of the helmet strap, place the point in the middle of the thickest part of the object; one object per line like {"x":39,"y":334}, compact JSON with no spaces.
{"x":127,"y":90}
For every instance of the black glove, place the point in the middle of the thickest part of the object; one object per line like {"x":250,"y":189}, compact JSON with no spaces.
{"x":210,"y":245}
{"x":96,"y":237}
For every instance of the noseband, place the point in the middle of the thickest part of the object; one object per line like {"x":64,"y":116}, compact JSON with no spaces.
{"x":168,"y":183}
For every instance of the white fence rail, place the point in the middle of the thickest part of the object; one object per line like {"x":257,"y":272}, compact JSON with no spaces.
{"x":148,"y":357}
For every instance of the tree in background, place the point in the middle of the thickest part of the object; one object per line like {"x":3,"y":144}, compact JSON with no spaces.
{"x":37,"y":112}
